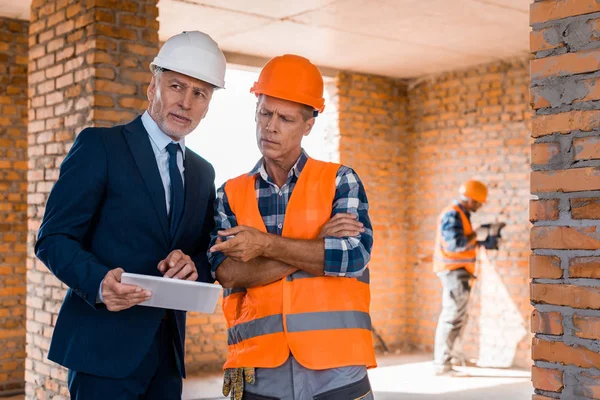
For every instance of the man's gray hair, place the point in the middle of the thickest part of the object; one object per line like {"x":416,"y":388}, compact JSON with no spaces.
{"x":157,"y":70}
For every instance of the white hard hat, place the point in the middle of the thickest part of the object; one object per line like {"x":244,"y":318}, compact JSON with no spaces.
{"x":195,"y":54}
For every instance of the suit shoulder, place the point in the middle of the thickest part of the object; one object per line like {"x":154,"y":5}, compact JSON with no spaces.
{"x":199,"y":161}
{"x":95,"y":133}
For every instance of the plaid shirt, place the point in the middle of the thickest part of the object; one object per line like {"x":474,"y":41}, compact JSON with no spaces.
{"x":346,"y":256}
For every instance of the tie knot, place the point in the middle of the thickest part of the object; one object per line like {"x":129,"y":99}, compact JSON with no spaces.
{"x":172,"y":148}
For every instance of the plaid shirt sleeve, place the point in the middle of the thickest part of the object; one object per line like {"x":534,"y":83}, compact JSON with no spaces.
{"x":453,"y":232}
{"x":224,"y":219}
{"x":349,"y":256}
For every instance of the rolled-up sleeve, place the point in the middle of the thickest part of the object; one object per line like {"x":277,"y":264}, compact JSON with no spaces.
{"x":349,"y":256}
{"x":224,"y":219}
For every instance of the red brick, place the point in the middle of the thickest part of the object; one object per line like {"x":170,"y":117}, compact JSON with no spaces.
{"x":561,"y":353}
{"x":568,"y":180}
{"x":565,"y":64}
{"x":538,"y":41}
{"x":56,"y":18}
{"x":584,"y":267}
{"x":133,"y":103}
{"x":138,"y":21}
{"x":565,"y":237}
{"x":139,"y":49}
{"x":543,"y":125}
{"x":585,"y":208}
{"x":566,"y":295}
{"x":65,"y":27}
{"x":73,"y":10}
{"x":586,"y":148}
{"x":549,"y":323}
{"x":114,"y":116}
{"x":545,"y":153}
{"x":105,"y":16}
{"x":545,"y":267}
{"x":547,"y":379}
{"x":115,"y":5}
{"x":587,"y":327}
{"x":546,"y":210}
{"x":103,"y":101}
{"x":114,"y":87}
{"x":543,"y":11}
{"x":117,"y":33}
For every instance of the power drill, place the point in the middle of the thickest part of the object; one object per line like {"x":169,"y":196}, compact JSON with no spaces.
{"x":493,"y":237}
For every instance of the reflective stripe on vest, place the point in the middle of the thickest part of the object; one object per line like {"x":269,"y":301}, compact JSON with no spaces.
{"x":322,"y":320}
{"x":256,"y":327}
{"x":317,"y":321}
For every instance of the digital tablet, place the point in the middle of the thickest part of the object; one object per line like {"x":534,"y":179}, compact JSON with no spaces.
{"x":176,"y":294}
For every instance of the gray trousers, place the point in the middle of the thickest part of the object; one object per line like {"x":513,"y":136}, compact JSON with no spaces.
{"x":453,"y":318}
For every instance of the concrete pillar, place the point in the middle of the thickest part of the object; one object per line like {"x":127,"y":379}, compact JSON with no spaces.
{"x":13,"y":201}
{"x":88,"y":66}
{"x":566,"y":214}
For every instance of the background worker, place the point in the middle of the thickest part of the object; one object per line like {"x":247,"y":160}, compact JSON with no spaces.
{"x":454,"y":261}
{"x":294,"y":262}
{"x":133,"y":198}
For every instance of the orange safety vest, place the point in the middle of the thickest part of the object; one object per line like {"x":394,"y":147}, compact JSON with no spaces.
{"x":324,"y":321}
{"x":447,"y":260}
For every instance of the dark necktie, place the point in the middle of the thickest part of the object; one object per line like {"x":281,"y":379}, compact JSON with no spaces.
{"x":177,"y":193}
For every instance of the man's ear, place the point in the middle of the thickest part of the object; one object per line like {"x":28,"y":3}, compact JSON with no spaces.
{"x":151,"y":93}
{"x":309,"y":125}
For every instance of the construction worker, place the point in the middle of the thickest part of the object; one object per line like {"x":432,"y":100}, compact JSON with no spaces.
{"x":454,"y":262}
{"x":291,"y":246}
{"x":133,"y":198}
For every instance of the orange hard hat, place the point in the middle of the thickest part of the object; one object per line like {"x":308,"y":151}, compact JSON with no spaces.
{"x":474,"y":190}
{"x":294,"y":78}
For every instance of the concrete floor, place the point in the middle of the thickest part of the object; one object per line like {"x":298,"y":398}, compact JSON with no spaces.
{"x":410,"y":377}
{"x":407,"y":377}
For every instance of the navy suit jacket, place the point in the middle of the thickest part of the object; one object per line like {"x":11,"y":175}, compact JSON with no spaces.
{"x":108,"y":210}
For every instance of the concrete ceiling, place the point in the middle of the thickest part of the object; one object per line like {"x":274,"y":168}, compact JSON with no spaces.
{"x":397,"y":38}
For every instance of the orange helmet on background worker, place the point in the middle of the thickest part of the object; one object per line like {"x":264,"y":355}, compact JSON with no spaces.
{"x":293,"y":78}
{"x":474,"y":190}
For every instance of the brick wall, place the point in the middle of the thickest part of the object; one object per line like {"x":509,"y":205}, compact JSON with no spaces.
{"x":13,"y":201}
{"x":374,"y":134}
{"x":88,"y":66}
{"x":413,"y":143}
{"x":472,"y":124}
{"x":566,"y":216}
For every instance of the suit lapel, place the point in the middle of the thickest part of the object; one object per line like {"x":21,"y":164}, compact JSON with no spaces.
{"x":139,"y":144}
{"x":193,"y":186}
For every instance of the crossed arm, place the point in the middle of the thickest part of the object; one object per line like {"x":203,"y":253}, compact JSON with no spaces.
{"x":257,"y":258}
{"x":253,"y":258}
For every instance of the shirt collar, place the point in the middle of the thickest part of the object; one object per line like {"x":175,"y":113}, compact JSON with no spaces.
{"x":260,"y":168}
{"x":158,"y":137}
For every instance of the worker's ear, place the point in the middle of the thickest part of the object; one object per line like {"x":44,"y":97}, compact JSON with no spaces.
{"x":309,"y":125}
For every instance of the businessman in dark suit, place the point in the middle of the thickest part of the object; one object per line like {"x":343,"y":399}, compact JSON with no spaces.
{"x":133,"y":198}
